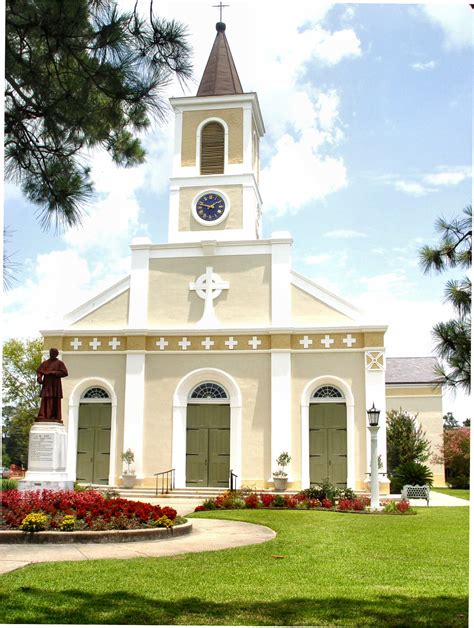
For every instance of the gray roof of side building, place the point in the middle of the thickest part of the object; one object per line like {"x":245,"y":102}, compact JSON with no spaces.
{"x":411,"y":371}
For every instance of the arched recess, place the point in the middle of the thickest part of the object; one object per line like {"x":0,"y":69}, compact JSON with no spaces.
{"x":180,"y":403}
{"x":199,"y":147}
{"x":73,"y":423}
{"x":306,"y":397}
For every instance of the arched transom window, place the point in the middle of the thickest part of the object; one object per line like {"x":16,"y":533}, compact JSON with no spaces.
{"x":212,"y":148}
{"x":95,"y":393}
{"x":327,"y":392}
{"x":208,"y":391}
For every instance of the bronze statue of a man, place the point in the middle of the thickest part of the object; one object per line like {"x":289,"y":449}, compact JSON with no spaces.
{"x":49,"y":375}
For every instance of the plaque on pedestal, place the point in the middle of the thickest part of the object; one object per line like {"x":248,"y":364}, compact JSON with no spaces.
{"x":46,"y":458}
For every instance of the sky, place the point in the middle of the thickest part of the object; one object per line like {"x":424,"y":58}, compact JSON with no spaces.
{"x":367,"y":109}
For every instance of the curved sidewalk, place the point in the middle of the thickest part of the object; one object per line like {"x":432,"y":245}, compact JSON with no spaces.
{"x":208,"y":535}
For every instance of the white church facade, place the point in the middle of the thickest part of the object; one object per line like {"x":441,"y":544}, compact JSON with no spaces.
{"x":213,"y":356}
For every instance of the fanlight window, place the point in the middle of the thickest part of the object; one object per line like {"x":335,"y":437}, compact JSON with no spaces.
{"x":327,"y":392}
{"x":209,"y":390}
{"x":212,"y":148}
{"x":96,"y":393}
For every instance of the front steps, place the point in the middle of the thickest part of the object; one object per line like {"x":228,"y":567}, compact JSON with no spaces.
{"x":183,"y":493}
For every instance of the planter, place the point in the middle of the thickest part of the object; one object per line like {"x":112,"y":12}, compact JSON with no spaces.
{"x":280,"y":483}
{"x":129,"y":481}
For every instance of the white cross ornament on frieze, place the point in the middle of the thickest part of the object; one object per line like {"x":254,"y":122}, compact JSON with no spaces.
{"x":349,"y":341}
{"x":95,"y":344}
{"x":208,"y":287}
{"x":76,"y":343}
{"x":231,"y":343}
{"x":184,"y":344}
{"x":255,"y":342}
{"x":306,"y":342}
{"x":207,"y":343}
{"x":162,"y":343}
{"x":114,"y":343}
{"x":327,"y":341}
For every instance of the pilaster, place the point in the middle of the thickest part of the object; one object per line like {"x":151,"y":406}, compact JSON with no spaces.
{"x":138,"y":309}
{"x":281,"y":279}
{"x":280,"y":405}
{"x":375,"y":394}
{"x":134,"y":410}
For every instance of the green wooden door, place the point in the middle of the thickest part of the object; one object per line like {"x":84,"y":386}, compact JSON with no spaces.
{"x":328,"y":443}
{"x":208,"y":445}
{"x":93,"y":443}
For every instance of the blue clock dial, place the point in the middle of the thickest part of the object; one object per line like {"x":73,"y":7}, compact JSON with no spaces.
{"x":210,"y":206}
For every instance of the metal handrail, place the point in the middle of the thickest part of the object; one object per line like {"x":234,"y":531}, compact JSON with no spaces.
{"x":232,"y":480}
{"x":167,"y":481}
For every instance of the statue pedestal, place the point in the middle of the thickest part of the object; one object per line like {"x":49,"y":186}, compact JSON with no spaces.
{"x":47,"y":458}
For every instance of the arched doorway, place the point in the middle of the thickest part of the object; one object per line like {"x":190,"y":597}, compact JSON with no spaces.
{"x":208,"y":436}
{"x":93,"y":437}
{"x":328,"y":436}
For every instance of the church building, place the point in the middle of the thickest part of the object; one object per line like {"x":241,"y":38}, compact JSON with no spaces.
{"x":213,"y":356}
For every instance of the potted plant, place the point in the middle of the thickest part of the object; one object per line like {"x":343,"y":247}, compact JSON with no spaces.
{"x":128,"y":476}
{"x":280,"y":477}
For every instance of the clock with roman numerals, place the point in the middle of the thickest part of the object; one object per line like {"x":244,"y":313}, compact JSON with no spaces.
{"x":210,"y":208}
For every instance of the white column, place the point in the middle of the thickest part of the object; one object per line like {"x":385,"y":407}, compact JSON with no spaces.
{"x":178,"y":461}
{"x":375,"y":393}
{"x":138,"y":309}
{"x":281,"y":285}
{"x":281,"y":406}
{"x":134,"y":408}
{"x":178,"y":132}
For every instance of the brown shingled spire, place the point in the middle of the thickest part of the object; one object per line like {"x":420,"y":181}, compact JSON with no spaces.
{"x":220,"y":76}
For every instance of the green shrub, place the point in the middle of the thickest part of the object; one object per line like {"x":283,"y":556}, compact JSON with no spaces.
{"x":163,"y":522}
{"x":410,"y":473}
{"x":327,"y":490}
{"x":406,"y":442}
{"x":209,"y":504}
{"x":279,"y":501}
{"x":6,"y":484}
{"x":460,"y":481}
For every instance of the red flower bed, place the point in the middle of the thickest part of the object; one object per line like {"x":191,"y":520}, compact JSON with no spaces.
{"x":91,"y":509}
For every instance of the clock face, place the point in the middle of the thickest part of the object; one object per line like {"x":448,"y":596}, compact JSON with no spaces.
{"x":210,"y":207}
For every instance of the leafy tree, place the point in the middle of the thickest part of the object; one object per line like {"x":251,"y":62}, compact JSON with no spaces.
{"x":453,"y":338}
{"x":455,"y":453}
{"x":449,"y":422}
{"x":81,"y":74}
{"x":21,"y":399}
{"x":406,"y":442}
{"x":467,"y":423}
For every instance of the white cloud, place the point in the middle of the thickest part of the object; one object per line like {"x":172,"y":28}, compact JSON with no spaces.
{"x":421,"y":67}
{"x":449,"y":177}
{"x":413,"y":188}
{"x":333,"y":47}
{"x":344,"y":234}
{"x":455,"y":20}
{"x":297,"y":175}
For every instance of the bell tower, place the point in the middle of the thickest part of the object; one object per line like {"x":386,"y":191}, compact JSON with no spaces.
{"x":214,"y":186}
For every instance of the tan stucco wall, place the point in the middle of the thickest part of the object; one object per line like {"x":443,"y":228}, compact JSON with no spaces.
{"x":172,"y":304}
{"x":234,"y":219}
{"x":308,"y":309}
{"x":192,"y":119}
{"x":108,"y":367}
{"x":430,"y":416}
{"x":347,"y":366}
{"x":112,"y":315}
{"x":252,"y":374}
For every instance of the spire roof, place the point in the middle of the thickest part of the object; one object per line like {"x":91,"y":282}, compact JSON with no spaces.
{"x":220,"y":76}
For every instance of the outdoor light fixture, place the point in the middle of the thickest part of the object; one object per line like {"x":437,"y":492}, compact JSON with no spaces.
{"x":373,"y":416}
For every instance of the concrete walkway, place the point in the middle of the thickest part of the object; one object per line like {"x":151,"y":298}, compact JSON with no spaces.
{"x":440,"y":499}
{"x":207,"y":535}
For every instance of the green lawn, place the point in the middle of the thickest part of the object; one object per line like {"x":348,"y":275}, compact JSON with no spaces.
{"x":338,"y":569}
{"x":462,"y":493}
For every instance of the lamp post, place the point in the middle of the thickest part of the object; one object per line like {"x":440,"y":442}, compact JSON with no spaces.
{"x":373,"y":417}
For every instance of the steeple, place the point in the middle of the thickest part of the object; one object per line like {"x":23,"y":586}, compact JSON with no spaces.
{"x":220,"y":76}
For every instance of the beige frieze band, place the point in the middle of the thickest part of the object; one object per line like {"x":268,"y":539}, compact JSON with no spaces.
{"x":216,"y":342}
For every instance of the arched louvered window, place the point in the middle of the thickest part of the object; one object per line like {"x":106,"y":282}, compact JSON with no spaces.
{"x":212,"y":148}
{"x":327,"y":392}
{"x":209,"y":390}
{"x":95,"y":393}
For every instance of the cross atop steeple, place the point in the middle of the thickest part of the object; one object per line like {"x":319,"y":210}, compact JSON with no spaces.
{"x":220,"y":6}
